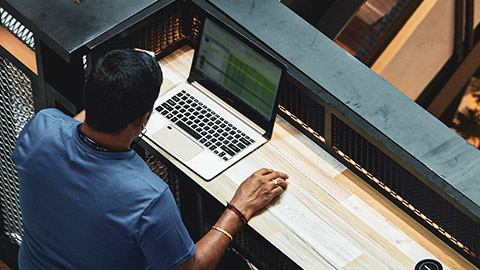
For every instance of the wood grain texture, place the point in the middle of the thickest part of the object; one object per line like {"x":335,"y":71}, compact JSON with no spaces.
{"x":328,"y":218}
{"x":403,"y":222}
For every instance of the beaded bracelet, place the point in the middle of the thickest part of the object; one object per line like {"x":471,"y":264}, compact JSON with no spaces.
{"x":238,"y":213}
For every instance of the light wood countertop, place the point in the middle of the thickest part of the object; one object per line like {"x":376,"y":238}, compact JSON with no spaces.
{"x":328,"y":218}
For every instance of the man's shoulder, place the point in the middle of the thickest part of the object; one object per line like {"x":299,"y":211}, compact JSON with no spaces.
{"x":44,"y":130}
{"x":45,"y":122}
{"x":53,"y":113}
{"x":49,"y":116}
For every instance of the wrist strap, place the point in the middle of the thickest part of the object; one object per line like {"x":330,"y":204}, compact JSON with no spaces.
{"x":238,"y":213}
{"x":224,"y":232}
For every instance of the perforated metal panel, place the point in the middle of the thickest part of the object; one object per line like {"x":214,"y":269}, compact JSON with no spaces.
{"x":16,"y":108}
{"x":195,"y":19}
{"x":163,"y":29}
{"x":16,"y":28}
{"x":303,"y":109}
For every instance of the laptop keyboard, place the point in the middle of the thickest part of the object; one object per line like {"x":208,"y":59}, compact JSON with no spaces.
{"x":207,"y":127}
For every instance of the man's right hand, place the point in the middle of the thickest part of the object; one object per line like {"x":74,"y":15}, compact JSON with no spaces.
{"x":253,"y":194}
{"x":258,"y":190}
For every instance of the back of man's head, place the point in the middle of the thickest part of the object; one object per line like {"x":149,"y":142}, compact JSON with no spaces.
{"x":122,"y":86}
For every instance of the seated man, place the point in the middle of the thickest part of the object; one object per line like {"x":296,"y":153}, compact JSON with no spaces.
{"x":88,"y":201}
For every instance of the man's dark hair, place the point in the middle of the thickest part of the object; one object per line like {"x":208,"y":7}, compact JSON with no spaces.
{"x":122,"y":86}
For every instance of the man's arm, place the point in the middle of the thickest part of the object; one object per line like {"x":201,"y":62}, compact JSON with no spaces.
{"x":252,"y":195}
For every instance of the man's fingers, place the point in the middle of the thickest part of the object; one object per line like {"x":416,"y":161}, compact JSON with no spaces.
{"x":271,"y":174}
{"x":283,"y":183}
{"x":264,"y":171}
{"x":277,"y":174}
{"x":279,"y":182}
{"x":277,"y":191}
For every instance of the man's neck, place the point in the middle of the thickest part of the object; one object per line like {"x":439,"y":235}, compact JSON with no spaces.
{"x":115,"y":142}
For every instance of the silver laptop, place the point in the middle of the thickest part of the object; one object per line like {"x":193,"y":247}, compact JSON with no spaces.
{"x":227,"y":107}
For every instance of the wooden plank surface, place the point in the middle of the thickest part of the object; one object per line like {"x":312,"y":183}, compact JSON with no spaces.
{"x":328,"y":218}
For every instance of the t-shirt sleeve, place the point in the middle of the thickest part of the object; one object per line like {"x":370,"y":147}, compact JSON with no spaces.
{"x":162,"y":236}
{"x":36,"y":129}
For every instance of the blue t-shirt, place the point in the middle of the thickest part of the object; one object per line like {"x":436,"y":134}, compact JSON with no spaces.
{"x":87,"y":209}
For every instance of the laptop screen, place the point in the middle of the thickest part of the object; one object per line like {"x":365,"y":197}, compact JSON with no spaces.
{"x":238,"y":68}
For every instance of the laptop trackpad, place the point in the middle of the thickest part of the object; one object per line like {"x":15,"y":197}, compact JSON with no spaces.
{"x":177,"y":142}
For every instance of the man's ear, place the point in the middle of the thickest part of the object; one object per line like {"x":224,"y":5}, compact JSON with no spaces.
{"x":141,"y":121}
{"x":80,"y":116}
